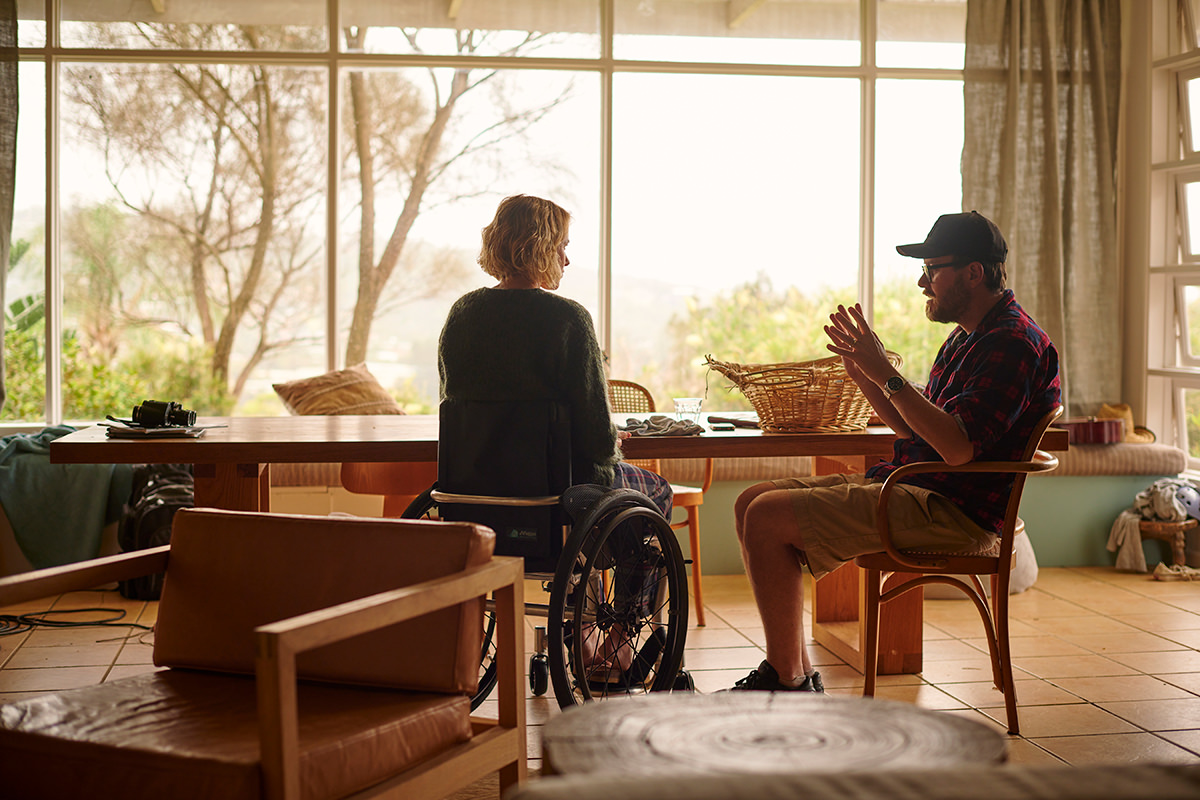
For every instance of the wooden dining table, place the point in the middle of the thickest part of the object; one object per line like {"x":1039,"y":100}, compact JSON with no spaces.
{"x":232,"y":462}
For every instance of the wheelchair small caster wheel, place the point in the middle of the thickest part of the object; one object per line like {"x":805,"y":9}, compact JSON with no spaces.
{"x":684,"y":682}
{"x":539,"y":674}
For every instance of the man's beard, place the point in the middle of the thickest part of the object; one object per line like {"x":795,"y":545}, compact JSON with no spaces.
{"x":949,"y":306}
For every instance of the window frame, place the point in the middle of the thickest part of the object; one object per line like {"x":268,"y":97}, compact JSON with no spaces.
{"x":52,"y":55}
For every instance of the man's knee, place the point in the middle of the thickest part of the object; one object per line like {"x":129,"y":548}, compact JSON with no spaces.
{"x":770,"y":519}
{"x":749,"y":495}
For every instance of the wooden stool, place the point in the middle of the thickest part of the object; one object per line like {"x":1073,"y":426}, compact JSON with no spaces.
{"x":1171,"y":532}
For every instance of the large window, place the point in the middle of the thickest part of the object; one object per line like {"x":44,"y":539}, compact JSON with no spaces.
{"x":225,"y":196}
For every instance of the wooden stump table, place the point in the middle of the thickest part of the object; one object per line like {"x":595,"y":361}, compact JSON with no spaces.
{"x":758,"y":733}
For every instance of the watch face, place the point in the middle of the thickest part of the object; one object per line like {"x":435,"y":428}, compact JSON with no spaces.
{"x":895,"y":384}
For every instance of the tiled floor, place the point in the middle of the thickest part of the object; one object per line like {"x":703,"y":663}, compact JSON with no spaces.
{"x":1108,"y":664}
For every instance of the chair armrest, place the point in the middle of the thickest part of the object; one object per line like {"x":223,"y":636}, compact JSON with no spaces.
{"x":279,"y":643}
{"x":82,"y":575}
{"x":1042,"y":461}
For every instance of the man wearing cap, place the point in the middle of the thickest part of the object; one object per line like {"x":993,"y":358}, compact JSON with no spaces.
{"x":994,"y":378}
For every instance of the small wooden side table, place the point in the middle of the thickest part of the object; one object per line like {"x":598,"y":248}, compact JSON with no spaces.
{"x":1174,"y":533}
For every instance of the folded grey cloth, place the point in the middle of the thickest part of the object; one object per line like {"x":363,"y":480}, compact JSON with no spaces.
{"x":662,"y":425}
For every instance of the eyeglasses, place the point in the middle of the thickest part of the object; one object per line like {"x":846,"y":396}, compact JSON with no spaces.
{"x":929,"y":268}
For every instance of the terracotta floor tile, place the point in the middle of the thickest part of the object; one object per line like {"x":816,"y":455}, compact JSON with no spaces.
{"x":49,"y":680}
{"x":708,"y":681}
{"x":1129,"y":748}
{"x":1022,"y":752}
{"x":1066,"y":720}
{"x":703,"y":638}
{"x":1158,"y":715}
{"x":90,"y":655}
{"x":1030,"y":692}
{"x":1072,"y":666}
{"x":1189,"y":681}
{"x":743,"y":658}
{"x":1031,"y":646}
{"x":952,"y":649}
{"x":920,"y":694}
{"x":1163,"y":621}
{"x":1160,"y":663}
{"x":747,"y":618}
{"x":1122,"y":687}
{"x":1135,"y":642}
{"x":959,"y":671}
{"x":1189,"y":638}
{"x":1189,"y":740}
{"x":1072,"y":627}
{"x":130,"y":670}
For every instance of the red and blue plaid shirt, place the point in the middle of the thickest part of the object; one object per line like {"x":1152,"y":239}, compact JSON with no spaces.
{"x":998,"y":381}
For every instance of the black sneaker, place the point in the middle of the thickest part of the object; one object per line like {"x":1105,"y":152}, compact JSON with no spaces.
{"x":766,"y":679}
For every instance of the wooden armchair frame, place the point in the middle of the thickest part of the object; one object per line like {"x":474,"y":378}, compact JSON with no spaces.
{"x":497,"y":745}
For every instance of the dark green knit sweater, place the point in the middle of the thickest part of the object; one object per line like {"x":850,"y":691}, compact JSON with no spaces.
{"x":528,"y":344}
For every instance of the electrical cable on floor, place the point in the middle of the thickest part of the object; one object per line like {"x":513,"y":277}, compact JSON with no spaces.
{"x":19,"y":623}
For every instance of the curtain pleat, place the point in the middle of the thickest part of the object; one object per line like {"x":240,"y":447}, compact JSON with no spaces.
{"x":1041,"y":95}
{"x":8,"y":153}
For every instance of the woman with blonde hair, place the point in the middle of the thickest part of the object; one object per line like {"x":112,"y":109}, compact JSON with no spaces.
{"x":519,"y":341}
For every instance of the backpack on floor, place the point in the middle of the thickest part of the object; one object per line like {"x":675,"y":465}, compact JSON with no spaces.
{"x":159,"y":490}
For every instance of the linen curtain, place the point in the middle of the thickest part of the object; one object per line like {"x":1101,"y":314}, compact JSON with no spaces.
{"x":8,"y":152}
{"x":1041,"y":98}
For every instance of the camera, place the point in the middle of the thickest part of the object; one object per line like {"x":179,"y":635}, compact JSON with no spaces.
{"x":159,"y":414}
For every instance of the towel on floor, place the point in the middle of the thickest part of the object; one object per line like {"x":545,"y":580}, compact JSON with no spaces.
{"x":57,"y":511}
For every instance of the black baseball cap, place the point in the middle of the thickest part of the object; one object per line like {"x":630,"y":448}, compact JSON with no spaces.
{"x":969,"y":235}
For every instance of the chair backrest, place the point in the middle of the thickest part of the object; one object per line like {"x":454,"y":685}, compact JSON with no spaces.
{"x":517,"y":449}
{"x":1031,"y":454}
{"x":230,"y":572}
{"x":627,"y":397}
{"x":398,"y":481}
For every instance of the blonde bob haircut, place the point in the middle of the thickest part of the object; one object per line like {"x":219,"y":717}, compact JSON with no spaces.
{"x":523,"y":240}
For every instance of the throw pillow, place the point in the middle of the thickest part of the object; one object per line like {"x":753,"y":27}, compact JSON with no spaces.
{"x":353,"y":390}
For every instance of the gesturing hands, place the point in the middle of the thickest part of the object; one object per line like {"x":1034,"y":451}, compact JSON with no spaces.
{"x":862,"y":353}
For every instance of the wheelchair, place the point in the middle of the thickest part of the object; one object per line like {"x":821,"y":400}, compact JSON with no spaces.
{"x":617,"y":611}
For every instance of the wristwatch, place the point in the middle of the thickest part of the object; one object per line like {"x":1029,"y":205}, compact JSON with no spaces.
{"x":893,"y":385}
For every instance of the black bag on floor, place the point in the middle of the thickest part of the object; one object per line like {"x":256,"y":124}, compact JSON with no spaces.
{"x":159,"y":490}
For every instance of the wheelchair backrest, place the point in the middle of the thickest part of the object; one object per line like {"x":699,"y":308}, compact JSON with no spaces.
{"x":508,"y":449}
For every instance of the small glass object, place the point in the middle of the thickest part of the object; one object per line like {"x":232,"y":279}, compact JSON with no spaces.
{"x":688,"y":408}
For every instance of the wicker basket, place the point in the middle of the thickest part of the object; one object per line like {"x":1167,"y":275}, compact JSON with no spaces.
{"x":801,"y":396}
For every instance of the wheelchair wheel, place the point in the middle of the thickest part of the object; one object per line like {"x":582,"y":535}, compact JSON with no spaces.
{"x":423,"y":507}
{"x":618,"y":606}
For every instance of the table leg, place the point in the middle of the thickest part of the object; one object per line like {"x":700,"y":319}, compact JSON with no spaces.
{"x":241,"y":487}
{"x":837,"y":607}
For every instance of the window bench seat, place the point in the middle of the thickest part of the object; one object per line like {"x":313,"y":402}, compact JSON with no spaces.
{"x":1068,"y":512}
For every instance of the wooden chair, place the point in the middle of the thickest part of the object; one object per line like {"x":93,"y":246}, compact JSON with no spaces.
{"x":890,"y":574}
{"x":398,"y":482}
{"x":627,"y":397}
{"x":314,"y":657}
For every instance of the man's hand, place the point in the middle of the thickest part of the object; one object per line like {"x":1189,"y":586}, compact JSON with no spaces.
{"x":862,"y":353}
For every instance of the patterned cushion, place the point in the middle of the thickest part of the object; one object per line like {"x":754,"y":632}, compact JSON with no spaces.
{"x":353,"y":390}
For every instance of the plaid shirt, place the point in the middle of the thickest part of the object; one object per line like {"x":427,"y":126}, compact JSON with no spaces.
{"x":998,"y":381}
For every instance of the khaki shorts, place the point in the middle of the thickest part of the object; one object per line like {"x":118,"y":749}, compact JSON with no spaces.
{"x":836,"y":516}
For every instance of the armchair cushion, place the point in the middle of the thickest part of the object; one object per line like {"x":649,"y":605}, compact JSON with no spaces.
{"x":353,"y":390}
{"x":151,"y":737}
